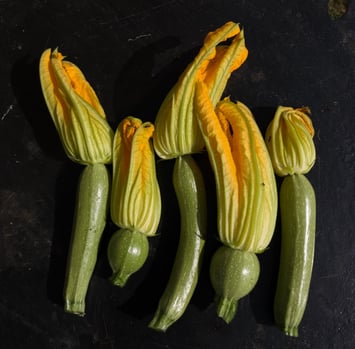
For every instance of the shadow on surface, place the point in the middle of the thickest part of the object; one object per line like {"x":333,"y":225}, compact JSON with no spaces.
{"x":27,"y":90}
{"x":142,"y":84}
{"x":262,"y":296}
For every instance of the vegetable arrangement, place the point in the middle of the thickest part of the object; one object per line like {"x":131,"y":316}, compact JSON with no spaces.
{"x":193,"y":117}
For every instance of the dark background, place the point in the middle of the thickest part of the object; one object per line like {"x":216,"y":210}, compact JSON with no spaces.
{"x":132,"y":52}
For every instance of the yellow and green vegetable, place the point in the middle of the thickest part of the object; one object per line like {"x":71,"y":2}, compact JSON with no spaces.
{"x":135,"y":198}
{"x":246,"y":194}
{"x":87,"y":139}
{"x":289,"y":139}
{"x":178,"y":136}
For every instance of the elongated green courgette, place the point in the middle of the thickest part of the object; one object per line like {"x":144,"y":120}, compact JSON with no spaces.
{"x":298,"y":218}
{"x":233,"y":274}
{"x":190,"y":190}
{"x":89,"y":223}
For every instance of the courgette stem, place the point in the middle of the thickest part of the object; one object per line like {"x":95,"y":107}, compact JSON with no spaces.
{"x":226,"y":308}
{"x":190,"y":191}
{"x":298,"y":219}
{"x":89,"y":223}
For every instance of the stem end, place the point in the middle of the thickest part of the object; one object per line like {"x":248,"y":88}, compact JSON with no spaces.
{"x":160,"y":322}
{"x":120,"y":278}
{"x":226,"y":308}
{"x":75,"y":307}
{"x":290,"y":331}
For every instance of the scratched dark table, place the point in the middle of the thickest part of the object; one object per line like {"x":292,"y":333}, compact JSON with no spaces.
{"x":132,"y":52}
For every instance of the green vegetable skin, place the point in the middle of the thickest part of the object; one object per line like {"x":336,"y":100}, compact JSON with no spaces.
{"x":298,"y":217}
{"x":190,"y":191}
{"x":89,"y":223}
{"x":234,"y":274}
{"x":127,"y":251}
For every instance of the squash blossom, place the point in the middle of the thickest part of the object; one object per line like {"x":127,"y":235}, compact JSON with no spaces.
{"x":135,"y":197}
{"x":87,"y":139}
{"x":245,"y":182}
{"x":75,"y":109}
{"x":177,"y":131}
{"x":289,"y":138}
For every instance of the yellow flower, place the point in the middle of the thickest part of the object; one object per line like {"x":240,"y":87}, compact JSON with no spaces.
{"x":135,"y":198}
{"x":245,"y":181}
{"x":75,"y":109}
{"x":177,"y":132}
{"x":289,"y":138}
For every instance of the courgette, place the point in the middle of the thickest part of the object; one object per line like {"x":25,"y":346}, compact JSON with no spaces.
{"x":233,"y":274}
{"x":190,"y":191}
{"x":127,"y":252}
{"x":89,"y":223}
{"x":298,"y":221}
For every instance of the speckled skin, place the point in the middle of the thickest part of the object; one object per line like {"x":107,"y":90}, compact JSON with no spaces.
{"x":234,"y":274}
{"x":298,"y":224}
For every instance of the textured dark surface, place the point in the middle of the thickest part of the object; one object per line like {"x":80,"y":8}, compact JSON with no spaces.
{"x":132,"y":52}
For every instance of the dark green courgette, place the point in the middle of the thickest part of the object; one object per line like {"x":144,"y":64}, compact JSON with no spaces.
{"x":190,"y":190}
{"x":89,"y":223}
{"x":298,"y":219}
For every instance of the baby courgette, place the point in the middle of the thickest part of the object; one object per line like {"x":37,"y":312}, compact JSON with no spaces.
{"x":89,"y":223}
{"x":234,"y":273}
{"x":127,"y":251}
{"x":298,"y":218}
{"x":190,"y":190}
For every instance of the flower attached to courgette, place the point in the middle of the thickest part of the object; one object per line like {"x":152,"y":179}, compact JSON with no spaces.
{"x":177,"y":132}
{"x":246,"y":196}
{"x":245,"y":181}
{"x":75,"y":109}
{"x":87,"y":139}
{"x":178,"y":136}
{"x":135,"y":197}
{"x":289,"y":139}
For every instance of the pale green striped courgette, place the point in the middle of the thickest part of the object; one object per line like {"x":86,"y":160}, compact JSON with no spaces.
{"x":298,"y":220}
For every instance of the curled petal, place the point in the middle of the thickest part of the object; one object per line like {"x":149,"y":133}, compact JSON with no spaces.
{"x":75,"y":110}
{"x":227,"y":59}
{"x":177,"y":132}
{"x":289,"y":138}
{"x":135,"y":198}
